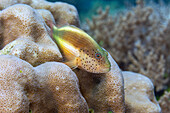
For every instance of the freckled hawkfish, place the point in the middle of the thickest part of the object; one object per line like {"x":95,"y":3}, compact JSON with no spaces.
{"x":80,"y":50}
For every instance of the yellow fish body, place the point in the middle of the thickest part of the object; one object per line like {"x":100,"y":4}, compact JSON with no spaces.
{"x":80,"y":50}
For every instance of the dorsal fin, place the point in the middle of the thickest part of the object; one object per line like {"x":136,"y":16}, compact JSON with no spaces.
{"x":77,"y":37}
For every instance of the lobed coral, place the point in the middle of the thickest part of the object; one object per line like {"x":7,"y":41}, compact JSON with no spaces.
{"x":56,"y":85}
{"x":138,"y":40}
{"x":103,"y":92}
{"x":32,"y":42}
{"x":63,"y":13}
{"x":25,"y":35}
{"x":51,"y":86}
{"x":46,"y":14}
{"x":139,"y":96}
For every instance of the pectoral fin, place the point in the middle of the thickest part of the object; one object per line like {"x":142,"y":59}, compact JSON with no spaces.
{"x":72,"y":63}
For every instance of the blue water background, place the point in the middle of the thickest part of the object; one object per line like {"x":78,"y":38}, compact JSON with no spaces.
{"x":88,"y":8}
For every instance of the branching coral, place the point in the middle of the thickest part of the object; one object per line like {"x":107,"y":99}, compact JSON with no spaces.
{"x":142,"y":66}
{"x":138,"y":40}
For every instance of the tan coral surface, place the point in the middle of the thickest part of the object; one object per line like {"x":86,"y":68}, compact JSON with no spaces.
{"x":25,"y":36}
{"x":33,"y":43}
{"x":139,"y":94}
{"x":52,"y":86}
{"x":103,"y":92}
{"x":47,"y":88}
{"x":46,"y":14}
{"x":63,"y":13}
{"x":164,"y":102}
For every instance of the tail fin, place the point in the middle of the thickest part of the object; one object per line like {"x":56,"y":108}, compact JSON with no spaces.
{"x":52,"y":26}
{"x":49,"y":22}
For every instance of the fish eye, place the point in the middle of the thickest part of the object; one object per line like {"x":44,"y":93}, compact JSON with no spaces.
{"x":98,"y":56}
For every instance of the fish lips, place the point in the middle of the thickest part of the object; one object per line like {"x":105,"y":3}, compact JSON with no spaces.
{"x":104,"y":70}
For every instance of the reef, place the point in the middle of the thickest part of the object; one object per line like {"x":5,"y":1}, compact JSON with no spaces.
{"x":33,"y":77}
{"x":103,"y":92}
{"x":138,"y":39}
{"x":48,"y":88}
{"x":63,"y":13}
{"x":164,"y":102}
{"x":139,"y":96}
{"x":27,"y":37}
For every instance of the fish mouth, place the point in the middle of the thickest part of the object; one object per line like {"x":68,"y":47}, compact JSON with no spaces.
{"x":105,"y":69}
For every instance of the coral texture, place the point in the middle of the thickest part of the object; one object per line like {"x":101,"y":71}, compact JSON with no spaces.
{"x":63,"y":13}
{"x":47,"y":88}
{"x":139,"y":94}
{"x":52,"y":86}
{"x":33,"y":44}
{"x":46,"y":14}
{"x":164,"y":102}
{"x":24,"y":34}
{"x":103,"y":92}
{"x":137,"y":39}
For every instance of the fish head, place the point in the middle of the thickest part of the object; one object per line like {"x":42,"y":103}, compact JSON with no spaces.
{"x":102,"y":61}
{"x":94,"y":60}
